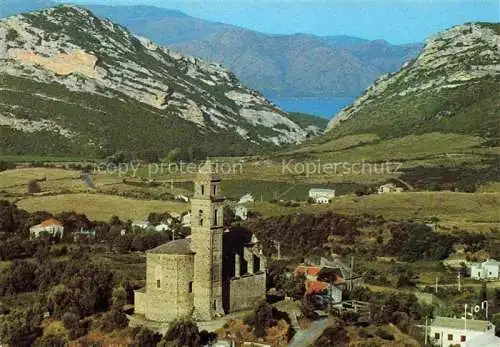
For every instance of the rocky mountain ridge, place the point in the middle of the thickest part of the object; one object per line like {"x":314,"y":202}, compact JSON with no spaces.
{"x":295,"y":65}
{"x":454,"y":71}
{"x":69,"y":49}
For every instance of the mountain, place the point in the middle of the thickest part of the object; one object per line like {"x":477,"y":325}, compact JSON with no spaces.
{"x":452,"y":86}
{"x":278,"y":65}
{"x":298,"y":65}
{"x":72,"y":83}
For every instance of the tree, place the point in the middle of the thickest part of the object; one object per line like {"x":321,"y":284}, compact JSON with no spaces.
{"x":144,"y":337}
{"x":33,"y":187}
{"x":20,"y":328}
{"x":181,"y":333}
{"x":263,"y":318}
{"x":495,"y":319}
{"x":116,"y":318}
{"x":334,"y":335}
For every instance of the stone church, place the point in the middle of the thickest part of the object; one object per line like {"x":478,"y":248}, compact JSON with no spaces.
{"x":208,"y":274}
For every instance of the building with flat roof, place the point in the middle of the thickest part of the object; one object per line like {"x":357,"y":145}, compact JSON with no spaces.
{"x":444,"y":331}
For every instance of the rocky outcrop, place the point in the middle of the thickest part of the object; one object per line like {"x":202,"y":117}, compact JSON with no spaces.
{"x":452,"y":59}
{"x":69,"y":47}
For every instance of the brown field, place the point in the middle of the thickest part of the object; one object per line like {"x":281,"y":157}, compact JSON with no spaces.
{"x":99,"y":206}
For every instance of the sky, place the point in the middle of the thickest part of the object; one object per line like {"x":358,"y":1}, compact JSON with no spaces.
{"x":397,"y":21}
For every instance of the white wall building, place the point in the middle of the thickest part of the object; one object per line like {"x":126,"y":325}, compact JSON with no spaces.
{"x":140,"y":224}
{"x":389,"y":188}
{"x":445,"y":332}
{"x":186,"y":220}
{"x":321,"y":196}
{"x":489,"y":269}
{"x":162,"y":227}
{"x":241,"y":212}
{"x":246,"y":198}
{"x":51,"y":226}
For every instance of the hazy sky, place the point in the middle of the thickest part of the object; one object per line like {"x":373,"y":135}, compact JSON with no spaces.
{"x":397,"y":21}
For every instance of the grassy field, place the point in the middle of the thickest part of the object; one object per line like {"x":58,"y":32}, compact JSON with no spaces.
{"x":99,"y":206}
{"x":478,"y":211}
{"x":20,"y":177}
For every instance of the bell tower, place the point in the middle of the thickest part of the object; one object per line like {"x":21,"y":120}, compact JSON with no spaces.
{"x":207,"y":230}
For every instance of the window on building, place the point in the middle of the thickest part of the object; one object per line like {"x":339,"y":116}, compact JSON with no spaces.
{"x":215,"y":305}
{"x":450,"y":337}
{"x":200,"y":217}
{"x":190,"y":287}
{"x":463,"y":338}
{"x":478,"y":274}
{"x":215,"y":190}
{"x":202,"y":189}
{"x":215,"y":217}
{"x":158,"y":284}
{"x":437,"y":336}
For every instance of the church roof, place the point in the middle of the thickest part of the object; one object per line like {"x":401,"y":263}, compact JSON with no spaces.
{"x":179,"y":247}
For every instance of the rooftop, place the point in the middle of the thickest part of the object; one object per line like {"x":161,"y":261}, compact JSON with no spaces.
{"x":321,"y":190}
{"x":458,"y":323}
{"x":177,"y":247}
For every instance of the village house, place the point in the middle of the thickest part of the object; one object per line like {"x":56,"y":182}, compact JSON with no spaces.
{"x":163,"y":227}
{"x":52,"y":227}
{"x":246,"y":199}
{"x":241,"y":212}
{"x":321,"y":196}
{"x":487,"y":270}
{"x":186,"y":219}
{"x":322,"y":281}
{"x":389,"y":188}
{"x":444,"y":331}
{"x":209,"y":274}
{"x":140,"y":224}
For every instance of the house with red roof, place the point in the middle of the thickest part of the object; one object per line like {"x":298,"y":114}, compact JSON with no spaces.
{"x":322,"y":281}
{"x":51,"y":226}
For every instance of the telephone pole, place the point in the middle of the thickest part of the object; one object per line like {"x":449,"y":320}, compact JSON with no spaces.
{"x":436,"y":289}
{"x":458,"y":276}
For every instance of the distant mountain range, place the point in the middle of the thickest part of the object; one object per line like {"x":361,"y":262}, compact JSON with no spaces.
{"x":299,"y":65}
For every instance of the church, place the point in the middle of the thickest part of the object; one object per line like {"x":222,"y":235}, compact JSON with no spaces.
{"x":212,"y":272}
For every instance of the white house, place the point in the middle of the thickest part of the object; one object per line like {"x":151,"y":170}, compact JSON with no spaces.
{"x":182,"y":198}
{"x":186,"y":220}
{"x":241,"y":212}
{"x":321,"y":196}
{"x":51,"y":226}
{"x":389,"y":188}
{"x":489,"y":269}
{"x":246,"y":198}
{"x":162,"y":227}
{"x":444,"y":331}
{"x":140,"y":224}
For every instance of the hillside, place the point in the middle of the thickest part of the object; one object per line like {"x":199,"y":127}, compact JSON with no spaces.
{"x":71,"y":83}
{"x":277,"y":65}
{"x":452,"y":86}
{"x":296,"y":65}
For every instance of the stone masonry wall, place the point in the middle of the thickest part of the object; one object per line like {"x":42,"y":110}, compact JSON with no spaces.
{"x":246,"y":291}
{"x":172,"y":299}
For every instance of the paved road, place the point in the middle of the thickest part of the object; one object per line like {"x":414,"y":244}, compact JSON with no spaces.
{"x":305,"y":338}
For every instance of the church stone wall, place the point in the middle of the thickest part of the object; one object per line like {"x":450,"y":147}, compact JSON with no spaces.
{"x":172,"y":299}
{"x":247,"y":291}
{"x":140,"y":298}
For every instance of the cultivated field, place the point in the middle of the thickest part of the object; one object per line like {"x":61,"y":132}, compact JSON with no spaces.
{"x":477,"y":211}
{"x":99,"y":206}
